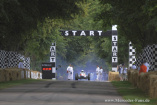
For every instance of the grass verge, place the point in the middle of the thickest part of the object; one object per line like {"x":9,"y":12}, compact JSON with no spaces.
{"x":8,"y":84}
{"x":135,"y":95}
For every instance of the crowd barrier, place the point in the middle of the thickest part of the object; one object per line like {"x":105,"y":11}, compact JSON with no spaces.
{"x":10,"y":74}
{"x":147,"y":82}
{"x":113,"y":76}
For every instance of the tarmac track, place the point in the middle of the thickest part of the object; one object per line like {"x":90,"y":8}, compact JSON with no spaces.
{"x":62,"y":93}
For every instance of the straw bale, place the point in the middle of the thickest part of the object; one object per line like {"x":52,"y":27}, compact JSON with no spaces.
{"x":39,"y":75}
{"x":2,"y":75}
{"x":34,"y":74}
{"x":113,"y":76}
{"x":152,"y":79}
{"x":154,"y":90}
{"x":143,"y":82}
{"x":22,"y":74}
{"x":140,"y":80}
{"x":134,"y":77}
{"x":131,"y":76}
{"x":14,"y":74}
{"x":9,"y":76}
{"x":25,"y":73}
{"x":29,"y":74}
{"x":147,"y":82}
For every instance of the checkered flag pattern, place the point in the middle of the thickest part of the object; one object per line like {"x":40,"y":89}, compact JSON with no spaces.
{"x":148,"y":54}
{"x":11,"y":59}
{"x":132,"y":53}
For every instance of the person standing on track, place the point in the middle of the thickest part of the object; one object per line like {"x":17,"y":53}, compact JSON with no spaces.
{"x":97,"y":73}
{"x":70,"y":72}
{"x":100,"y":71}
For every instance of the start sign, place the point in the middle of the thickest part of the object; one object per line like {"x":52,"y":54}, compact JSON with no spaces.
{"x":86,"y":33}
{"x":112,"y":33}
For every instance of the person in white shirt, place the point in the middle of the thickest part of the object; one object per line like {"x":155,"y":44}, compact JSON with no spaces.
{"x":100,"y":71}
{"x":120,"y":70}
{"x":70,"y":72}
{"x":20,"y":65}
{"x":125,"y":73}
{"x":133,"y":66}
{"x":97,"y":72}
{"x":147,"y":65}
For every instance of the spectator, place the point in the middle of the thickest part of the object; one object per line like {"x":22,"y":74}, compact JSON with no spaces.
{"x":97,"y":72}
{"x":120,"y":70}
{"x":143,"y":68}
{"x":100,"y":71}
{"x":20,"y":65}
{"x":125,"y":73}
{"x":133,"y":66}
{"x":147,"y":65}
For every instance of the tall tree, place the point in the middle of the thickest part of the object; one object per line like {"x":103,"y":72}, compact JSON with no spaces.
{"x":19,"y":18}
{"x":135,"y":20}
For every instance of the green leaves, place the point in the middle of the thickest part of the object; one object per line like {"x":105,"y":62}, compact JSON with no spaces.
{"x":136,"y":20}
{"x":19,"y":18}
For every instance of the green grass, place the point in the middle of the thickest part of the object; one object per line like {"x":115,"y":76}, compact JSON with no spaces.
{"x":127,"y":91}
{"x":8,"y":84}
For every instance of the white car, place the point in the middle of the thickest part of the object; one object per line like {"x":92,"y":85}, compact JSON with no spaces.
{"x":82,"y":75}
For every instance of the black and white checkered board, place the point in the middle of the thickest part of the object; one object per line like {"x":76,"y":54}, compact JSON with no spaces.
{"x":132,"y":53}
{"x":11,"y":59}
{"x":148,"y":54}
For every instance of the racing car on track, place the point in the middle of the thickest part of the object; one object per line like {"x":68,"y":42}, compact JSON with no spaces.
{"x":82,"y":75}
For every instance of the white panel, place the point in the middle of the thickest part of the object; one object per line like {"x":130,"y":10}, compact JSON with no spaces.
{"x":52,"y":48}
{"x":114,"y":49}
{"x":114,"y":27}
{"x":53,"y":70}
{"x":53,"y":78}
{"x":114,"y":59}
{"x":114,"y":38}
{"x":52,"y":59}
{"x":114,"y":69}
{"x":130,"y":47}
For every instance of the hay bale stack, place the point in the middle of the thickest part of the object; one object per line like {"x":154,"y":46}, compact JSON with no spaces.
{"x":26,"y":73}
{"x":154,"y":88}
{"x":140,"y":79}
{"x":39,"y":75}
{"x":131,"y":76}
{"x":144,"y":81}
{"x":113,"y":76}
{"x":22,"y":73}
{"x":34,"y":74}
{"x":14,"y":73}
{"x":147,"y":82}
{"x":146,"y":78}
{"x":134,"y":77}
{"x":2,"y":75}
{"x":152,"y":80}
{"x":29,"y":74}
{"x":8,"y":75}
